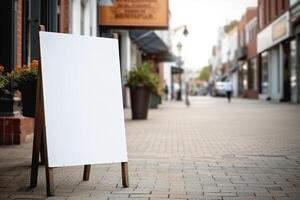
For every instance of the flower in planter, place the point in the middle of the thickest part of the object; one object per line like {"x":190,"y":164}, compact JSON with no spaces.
{"x":26,"y":76}
{"x":25,"y":80}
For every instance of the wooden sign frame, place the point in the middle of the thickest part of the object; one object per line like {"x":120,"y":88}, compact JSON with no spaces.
{"x":40,"y":144}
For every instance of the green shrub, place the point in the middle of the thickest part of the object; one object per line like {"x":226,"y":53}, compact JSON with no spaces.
{"x":143,"y":76}
{"x":4,"y":82}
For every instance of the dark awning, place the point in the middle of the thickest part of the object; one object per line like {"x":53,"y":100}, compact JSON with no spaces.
{"x":149,"y":42}
{"x":167,"y":57}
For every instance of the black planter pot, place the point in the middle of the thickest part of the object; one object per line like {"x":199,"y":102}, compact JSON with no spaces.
{"x":154,"y":101}
{"x":28,"y":99}
{"x":6,"y":104}
{"x":139,"y":97}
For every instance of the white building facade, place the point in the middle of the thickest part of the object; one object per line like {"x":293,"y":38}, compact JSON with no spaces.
{"x":83,"y":17}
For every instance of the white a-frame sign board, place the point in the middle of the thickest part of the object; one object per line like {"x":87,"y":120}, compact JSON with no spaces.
{"x":81,"y":117}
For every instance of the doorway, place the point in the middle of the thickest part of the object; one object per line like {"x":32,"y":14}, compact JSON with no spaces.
{"x":286,"y":72}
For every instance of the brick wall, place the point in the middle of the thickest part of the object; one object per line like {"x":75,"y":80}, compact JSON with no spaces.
{"x":64,"y":16}
{"x":19,"y":33}
{"x":251,"y":49}
{"x":14,"y":130}
{"x":270,"y":10}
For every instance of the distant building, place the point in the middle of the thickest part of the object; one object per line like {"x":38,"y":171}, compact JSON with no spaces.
{"x":246,"y":54}
{"x":223,"y":60}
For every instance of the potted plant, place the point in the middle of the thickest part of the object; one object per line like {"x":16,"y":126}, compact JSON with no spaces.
{"x":141,"y":81}
{"x":6,"y":96}
{"x":25,"y":79}
{"x":155,"y":95}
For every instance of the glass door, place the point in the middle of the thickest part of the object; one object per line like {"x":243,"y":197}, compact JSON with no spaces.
{"x":293,"y":77}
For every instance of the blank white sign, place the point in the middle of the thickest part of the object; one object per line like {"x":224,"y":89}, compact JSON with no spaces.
{"x":82,"y":100}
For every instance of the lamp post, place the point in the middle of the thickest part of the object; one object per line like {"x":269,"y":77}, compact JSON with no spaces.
{"x":185,"y":30}
{"x":179,"y":46}
{"x":179,"y":64}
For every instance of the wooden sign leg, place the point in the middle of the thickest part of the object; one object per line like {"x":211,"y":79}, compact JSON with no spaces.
{"x":48,"y":170}
{"x":35,"y":154}
{"x":86,"y":172}
{"x":42,"y":154}
{"x":49,"y":181}
{"x":38,"y":148}
{"x":125,"y":177}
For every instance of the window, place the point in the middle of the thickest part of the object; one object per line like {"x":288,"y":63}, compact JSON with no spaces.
{"x":283,"y":4}
{"x":265,"y":11}
{"x":264,"y":75}
{"x":269,"y":10}
{"x":242,"y":38}
{"x":58,"y":16}
{"x":82,"y":18}
{"x":251,"y":30}
{"x":261,"y":16}
{"x":276,"y":8}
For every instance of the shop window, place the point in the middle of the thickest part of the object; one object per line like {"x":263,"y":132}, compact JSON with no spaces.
{"x":264,"y":73}
{"x":293,"y":78}
{"x":254,"y":79}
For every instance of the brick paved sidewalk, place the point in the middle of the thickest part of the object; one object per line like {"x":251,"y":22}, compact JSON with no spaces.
{"x":212,"y":150}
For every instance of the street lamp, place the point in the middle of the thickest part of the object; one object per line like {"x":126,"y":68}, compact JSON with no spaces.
{"x":179,"y":45}
{"x":185,"y":30}
{"x":179,"y":64}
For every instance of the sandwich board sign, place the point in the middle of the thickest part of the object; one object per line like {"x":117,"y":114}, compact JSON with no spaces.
{"x":79,"y":113}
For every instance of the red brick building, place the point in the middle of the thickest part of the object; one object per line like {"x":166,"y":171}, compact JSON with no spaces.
{"x":246,"y":54}
{"x":270,"y":10}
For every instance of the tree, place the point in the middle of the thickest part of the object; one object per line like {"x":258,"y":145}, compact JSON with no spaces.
{"x":204,"y":74}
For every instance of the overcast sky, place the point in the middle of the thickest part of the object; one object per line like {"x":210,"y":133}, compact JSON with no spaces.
{"x":203,"y":18}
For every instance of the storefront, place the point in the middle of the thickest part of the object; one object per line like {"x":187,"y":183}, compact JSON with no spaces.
{"x":295,"y":52}
{"x":273,"y":47}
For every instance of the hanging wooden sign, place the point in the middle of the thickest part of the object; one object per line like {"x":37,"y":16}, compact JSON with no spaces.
{"x":152,"y":14}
